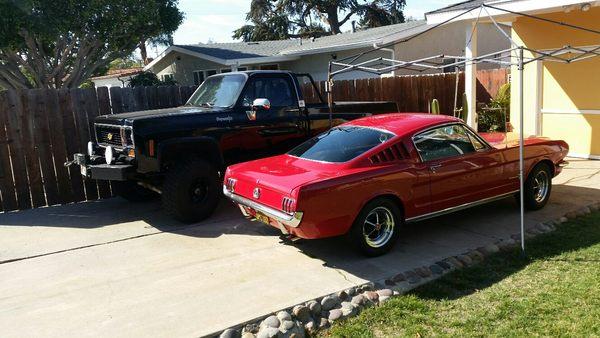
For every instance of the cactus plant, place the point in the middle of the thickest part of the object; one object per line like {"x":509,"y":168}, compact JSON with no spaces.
{"x":435,"y":107}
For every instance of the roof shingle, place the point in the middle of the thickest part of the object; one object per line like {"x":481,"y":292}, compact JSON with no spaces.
{"x":244,"y":50}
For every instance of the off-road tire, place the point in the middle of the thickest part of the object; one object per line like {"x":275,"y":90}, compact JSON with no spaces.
{"x":180,"y":197}
{"x":531,"y":187}
{"x":132,"y":191}
{"x":357,"y":237}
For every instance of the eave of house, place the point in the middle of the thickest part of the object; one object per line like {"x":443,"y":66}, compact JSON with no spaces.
{"x":226,"y":62}
{"x":523,"y":6}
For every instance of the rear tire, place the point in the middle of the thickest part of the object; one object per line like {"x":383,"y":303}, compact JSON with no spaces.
{"x":538,"y":187}
{"x":377,"y":227}
{"x":191,"y":191}
{"x":132,"y":191}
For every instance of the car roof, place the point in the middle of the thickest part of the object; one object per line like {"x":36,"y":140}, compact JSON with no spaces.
{"x":403,"y":123}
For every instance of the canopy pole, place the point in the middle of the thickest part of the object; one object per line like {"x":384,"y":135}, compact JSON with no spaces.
{"x":521,"y":67}
{"x":329,"y":91}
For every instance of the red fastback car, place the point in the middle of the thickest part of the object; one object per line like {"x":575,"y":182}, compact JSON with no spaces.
{"x":367,"y":177}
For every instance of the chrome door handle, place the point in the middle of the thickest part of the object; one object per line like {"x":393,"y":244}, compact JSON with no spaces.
{"x":434,"y":167}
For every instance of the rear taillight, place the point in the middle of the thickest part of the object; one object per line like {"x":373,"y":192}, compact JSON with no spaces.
{"x":288,"y":205}
{"x":230,"y":184}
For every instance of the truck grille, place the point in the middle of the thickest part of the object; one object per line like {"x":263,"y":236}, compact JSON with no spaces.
{"x":113,"y":135}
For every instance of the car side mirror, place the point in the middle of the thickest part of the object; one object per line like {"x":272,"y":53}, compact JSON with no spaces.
{"x":261,"y":104}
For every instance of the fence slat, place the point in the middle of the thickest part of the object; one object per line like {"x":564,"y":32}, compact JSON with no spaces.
{"x":41,"y":140}
{"x":7,"y":185}
{"x":72,"y":143}
{"x":19,"y":166}
{"x":34,"y":174}
{"x":59,"y":146}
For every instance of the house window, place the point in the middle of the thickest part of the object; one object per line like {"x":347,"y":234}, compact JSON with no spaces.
{"x":225,"y":70}
{"x":269,"y":67}
{"x":167,"y":77}
{"x":198,"y":77}
{"x":211,"y":72}
{"x":449,"y":69}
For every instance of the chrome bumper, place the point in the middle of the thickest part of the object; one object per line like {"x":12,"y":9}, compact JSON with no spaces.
{"x":291,"y":220}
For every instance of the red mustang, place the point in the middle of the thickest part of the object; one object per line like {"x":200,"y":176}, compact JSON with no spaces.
{"x":367,"y":177}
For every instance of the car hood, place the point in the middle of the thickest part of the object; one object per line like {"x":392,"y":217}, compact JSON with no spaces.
{"x":129,"y":118}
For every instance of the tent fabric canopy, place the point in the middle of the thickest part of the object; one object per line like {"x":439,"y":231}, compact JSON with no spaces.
{"x":513,"y":56}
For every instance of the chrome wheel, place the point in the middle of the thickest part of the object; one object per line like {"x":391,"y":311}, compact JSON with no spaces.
{"x":541,"y":184}
{"x":378,"y":227}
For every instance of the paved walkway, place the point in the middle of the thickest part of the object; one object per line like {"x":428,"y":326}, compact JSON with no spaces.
{"x":111,"y":268}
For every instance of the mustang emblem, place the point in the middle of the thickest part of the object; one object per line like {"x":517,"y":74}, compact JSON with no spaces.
{"x":256,"y":193}
{"x":109,"y":136}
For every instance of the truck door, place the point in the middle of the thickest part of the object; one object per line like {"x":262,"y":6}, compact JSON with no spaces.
{"x":279,"y":128}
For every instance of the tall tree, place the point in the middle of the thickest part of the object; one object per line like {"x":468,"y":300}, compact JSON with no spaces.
{"x":60,"y":43}
{"x":283,"y":19}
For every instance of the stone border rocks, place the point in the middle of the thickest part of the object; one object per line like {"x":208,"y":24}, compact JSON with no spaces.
{"x":321,"y":312}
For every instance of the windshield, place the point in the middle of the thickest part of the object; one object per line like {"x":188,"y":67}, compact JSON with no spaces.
{"x":341,"y":144}
{"x":218,"y":91}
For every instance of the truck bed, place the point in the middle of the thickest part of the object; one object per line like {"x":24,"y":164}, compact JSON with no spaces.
{"x":375,"y":107}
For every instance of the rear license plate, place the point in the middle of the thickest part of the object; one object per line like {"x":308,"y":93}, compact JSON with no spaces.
{"x":83,"y":170}
{"x":262,"y":218}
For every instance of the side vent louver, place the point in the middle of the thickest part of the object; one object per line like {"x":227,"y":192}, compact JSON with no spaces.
{"x":393,"y":153}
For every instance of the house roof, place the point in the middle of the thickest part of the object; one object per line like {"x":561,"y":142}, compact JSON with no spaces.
{"x":115,"y":73}
{"x":284,"y":50}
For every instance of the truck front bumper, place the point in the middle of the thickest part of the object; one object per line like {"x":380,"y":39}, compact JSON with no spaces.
{"x":90,"y":167}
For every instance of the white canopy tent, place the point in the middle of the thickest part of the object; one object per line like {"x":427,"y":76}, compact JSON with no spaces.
{"x":513,"y":56}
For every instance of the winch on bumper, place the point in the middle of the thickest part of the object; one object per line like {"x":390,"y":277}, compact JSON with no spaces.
{"x":95,"y":167}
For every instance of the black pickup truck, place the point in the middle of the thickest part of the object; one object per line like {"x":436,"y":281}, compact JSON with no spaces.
{"x":180,"y":153}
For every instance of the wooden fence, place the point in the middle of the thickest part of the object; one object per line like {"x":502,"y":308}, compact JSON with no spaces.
{"x":41,"y":128}
{"x":413,"y":93}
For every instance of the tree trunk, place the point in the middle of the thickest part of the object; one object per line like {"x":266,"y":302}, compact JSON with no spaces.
{"x":334,"y":21}
{"x":143,"y":52}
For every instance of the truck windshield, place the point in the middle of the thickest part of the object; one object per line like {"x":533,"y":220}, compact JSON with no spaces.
{"x":341,"y":144}
{"x":218,"y":91}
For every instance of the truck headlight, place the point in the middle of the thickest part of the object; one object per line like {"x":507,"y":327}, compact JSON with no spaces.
{"x":90,"y":148}
{"x":109,"y":155}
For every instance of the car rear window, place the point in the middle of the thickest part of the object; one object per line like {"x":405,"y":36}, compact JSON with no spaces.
{"x":341,"y":144}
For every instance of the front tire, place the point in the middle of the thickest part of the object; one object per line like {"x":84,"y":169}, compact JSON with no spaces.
{"x":538,"y":187}
{"x":377,"y":227}
{"x":191,"y":191}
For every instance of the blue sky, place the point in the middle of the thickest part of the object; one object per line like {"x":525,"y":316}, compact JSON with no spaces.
{"x":216,"y":19}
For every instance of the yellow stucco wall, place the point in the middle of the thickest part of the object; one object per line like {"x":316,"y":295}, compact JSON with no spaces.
{"x":570,"y":93}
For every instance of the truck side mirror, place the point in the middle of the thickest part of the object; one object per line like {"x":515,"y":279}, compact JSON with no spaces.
{"x":261,"y":104}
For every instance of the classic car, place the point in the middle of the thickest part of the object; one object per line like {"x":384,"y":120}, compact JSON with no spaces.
{"x":366,"y":178}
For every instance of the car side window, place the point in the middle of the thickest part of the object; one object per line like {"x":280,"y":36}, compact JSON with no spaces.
{"x":479,"y":146}
{"x":443,"y":142}
{"x":277,"y":90}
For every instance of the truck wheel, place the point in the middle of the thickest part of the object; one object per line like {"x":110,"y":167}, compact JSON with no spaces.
{"x":538,"y":187}
{"x":377,"y":227}
{"x":132,"y":191}
{"x":191,"y":191}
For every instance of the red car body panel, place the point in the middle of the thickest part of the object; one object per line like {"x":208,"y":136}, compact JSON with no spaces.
{"x":331,"y":195}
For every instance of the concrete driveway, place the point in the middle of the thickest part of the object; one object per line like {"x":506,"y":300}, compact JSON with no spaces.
{"x":111,"y":268}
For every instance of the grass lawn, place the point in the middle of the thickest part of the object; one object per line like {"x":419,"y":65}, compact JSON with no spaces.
{"x":555,"y":291}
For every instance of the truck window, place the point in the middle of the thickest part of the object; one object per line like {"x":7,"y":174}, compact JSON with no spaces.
{"x":218,"y":91}
{"x":277,"y":90}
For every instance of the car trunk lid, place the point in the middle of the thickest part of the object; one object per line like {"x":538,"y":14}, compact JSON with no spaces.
{"x":268,"y":181}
